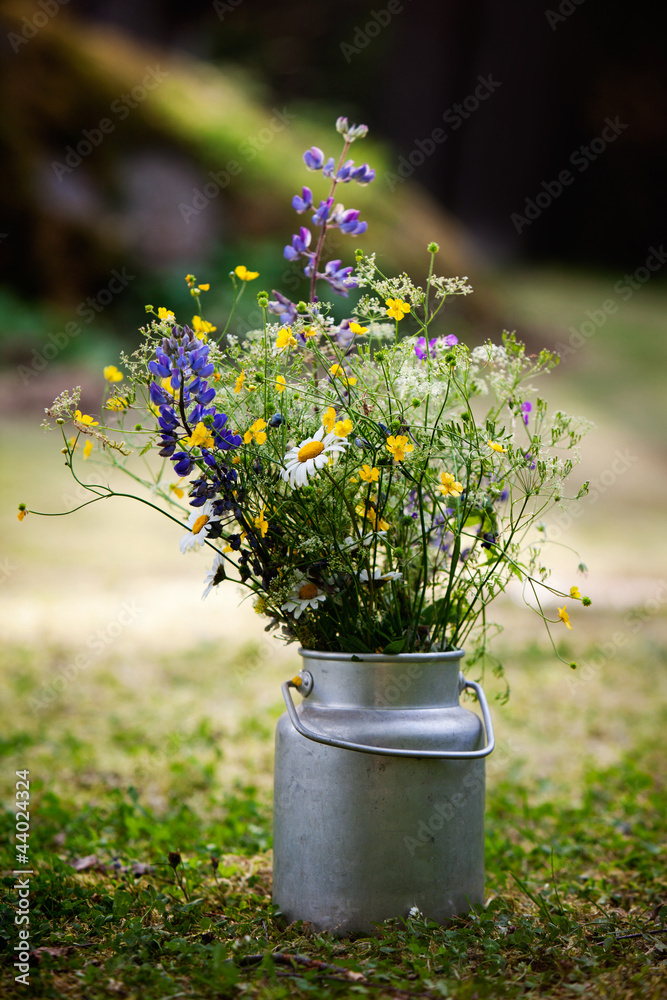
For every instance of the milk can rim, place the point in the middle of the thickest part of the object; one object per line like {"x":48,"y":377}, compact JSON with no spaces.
{"x":316,"y":654}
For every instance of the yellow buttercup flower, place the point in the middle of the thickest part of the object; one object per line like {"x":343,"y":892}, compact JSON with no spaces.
{"x":369,"y":513}
{"x":310,"y":332}
{"x":357,"y":328}
{"x":261,"y":523}
{"x":205,"y":287}
{"x":244,"y":274}
{"x":399,"y":446}
{"x":240,"y":379}
{"x":112,"y":374}
{"x":496,"y":447}
{"x":368,"y":474}
{"x":200,"y":325}
{"x":165,"y":313}
{"x":339,"y":372}
{"x":564,"y":617}
{"x":575,"y":594}
{"x":397,"y":308}
{"x":175,"y":488}
{"x":22,"y":512}
{"x":449,"y":487}
{"x":87,"y":448}
{"x":285,"y":339}
{"x":257,"y":432}
{"x":281,"y":384}
{"x":83,"y":418}
{"x":343,"y":428}
{"x":329,"y":419}
{"x":201,"y":437}
{"x":116,"y":403}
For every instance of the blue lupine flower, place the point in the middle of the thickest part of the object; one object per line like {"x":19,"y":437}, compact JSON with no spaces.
{"x":344,"y":173}
{"x":362,"y":443}
{"x":525,"y":409}
{"x":344,"y":336}
{"x":281,"y":306}
{"x":350,"y":223}
{"x":363,"y":174}
{"x":313,"y":158}
{"x":329,"y":168}
{"x":339,"y":277}
{"x":303,"y":204}
{"x":300,"y":243}
{"x":183,"y":463}
{"x":451,"y":340}
{"x":276,"y":420}
{"x":322,"y":214}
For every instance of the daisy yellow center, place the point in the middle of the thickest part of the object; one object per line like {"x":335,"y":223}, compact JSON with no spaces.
{"x":199,"y":524}
{"x":308,"y":591}
{"x":310,"y":450}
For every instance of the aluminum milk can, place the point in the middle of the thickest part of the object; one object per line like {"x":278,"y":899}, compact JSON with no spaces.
{"x":379,"y":791}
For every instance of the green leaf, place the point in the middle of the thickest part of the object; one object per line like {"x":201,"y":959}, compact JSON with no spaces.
{"x":394,"y":647}
{"x":351,"y":644}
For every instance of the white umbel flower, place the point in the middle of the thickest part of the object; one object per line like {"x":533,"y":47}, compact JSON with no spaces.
{"x":199,"y":523}
{"x":305,"y":595}
{"x":312,"y":454}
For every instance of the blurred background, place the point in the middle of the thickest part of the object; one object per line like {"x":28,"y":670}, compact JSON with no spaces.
{"x":143,"y":141}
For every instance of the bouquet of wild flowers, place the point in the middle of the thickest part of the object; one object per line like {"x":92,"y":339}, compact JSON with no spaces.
{"x":373,"y":482}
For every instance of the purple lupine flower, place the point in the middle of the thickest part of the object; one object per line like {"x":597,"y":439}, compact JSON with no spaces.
{"x":525,"y":409}
{"x":350,"y":223}
{"x":343,"y":334}
{"x":363,"y":174}
{"x":329,"y":168}
{"x":322,"y":214}
{"x":305,"y":202}
{"x":313,"y":158}
{"x":281,"y":306}
{"x":339,"y":277}
{"x":451,"y":340}
{"x":344,"y":173}
{"x":300,"y":243}
{"x":420,"y":348}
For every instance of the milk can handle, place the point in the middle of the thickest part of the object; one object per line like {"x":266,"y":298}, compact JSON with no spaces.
{"x":306,"y":684}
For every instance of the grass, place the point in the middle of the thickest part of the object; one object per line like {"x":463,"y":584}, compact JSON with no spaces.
{"x":167,"y":819}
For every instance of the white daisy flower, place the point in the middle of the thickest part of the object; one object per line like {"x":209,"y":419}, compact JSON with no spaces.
{"x":312,"y":454}
{"x":215,"y":575}
{"x":379,"y":576}
{"x":305,"y":595}
{"x":200,"y":522}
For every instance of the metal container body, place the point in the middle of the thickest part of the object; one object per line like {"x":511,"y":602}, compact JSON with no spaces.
{"x":360,"y":837}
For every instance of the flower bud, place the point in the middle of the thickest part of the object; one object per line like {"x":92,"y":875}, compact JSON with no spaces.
{"x":433,"y":248}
